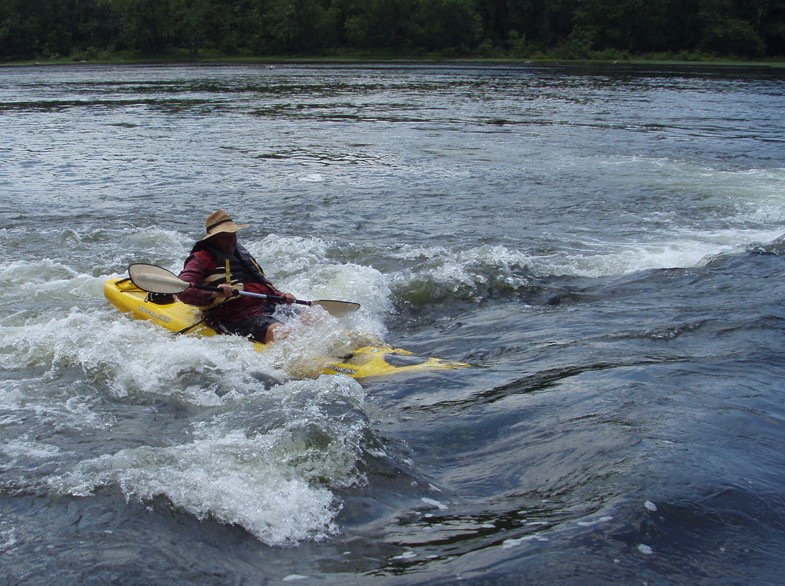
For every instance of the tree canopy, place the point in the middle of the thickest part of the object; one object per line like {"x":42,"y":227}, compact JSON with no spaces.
{"x":89,"y":29}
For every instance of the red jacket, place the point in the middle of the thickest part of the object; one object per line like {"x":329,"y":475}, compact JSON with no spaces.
{"x":203,"y":263}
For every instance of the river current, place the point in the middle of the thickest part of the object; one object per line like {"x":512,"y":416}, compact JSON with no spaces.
{"x":603,"y":246}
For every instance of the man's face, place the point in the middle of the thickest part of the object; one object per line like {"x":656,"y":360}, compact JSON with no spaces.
{"x":225,"y":241}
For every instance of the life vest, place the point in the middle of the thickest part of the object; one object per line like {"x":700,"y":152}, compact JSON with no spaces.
{"x":234,"y":269}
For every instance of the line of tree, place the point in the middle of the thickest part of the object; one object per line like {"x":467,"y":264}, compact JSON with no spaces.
{"x":93,"y":29}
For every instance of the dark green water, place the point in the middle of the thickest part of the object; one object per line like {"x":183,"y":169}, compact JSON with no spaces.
{"x":601,"y":244}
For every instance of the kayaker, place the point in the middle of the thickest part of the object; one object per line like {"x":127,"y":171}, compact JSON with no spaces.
{"x":219,"y":261}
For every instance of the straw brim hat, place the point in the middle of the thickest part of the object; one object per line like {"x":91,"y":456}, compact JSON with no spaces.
{"x":219,"y":222}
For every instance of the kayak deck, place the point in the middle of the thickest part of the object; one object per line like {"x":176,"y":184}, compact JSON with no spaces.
{"x":180,"y":318}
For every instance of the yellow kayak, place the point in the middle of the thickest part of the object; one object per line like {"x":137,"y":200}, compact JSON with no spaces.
{"x":180,"y":318}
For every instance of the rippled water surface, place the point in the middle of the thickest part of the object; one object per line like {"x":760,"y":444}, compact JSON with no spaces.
{"x":602,"y":245}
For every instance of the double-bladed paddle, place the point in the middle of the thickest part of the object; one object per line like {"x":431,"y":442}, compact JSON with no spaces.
{"x":155,"y":279}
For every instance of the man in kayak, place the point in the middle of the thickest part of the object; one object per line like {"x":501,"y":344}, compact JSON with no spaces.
{"x":219,"y":261}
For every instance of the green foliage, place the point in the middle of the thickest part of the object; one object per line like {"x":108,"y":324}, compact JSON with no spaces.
{"x":449,"y":25}
{"x":725,"y":32}
{"x":574,"y":29}
{"x":634,"y":25}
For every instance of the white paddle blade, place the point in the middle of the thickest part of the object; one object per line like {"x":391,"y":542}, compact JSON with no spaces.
{"x":156,"y":279}
{"x":337,"y":308}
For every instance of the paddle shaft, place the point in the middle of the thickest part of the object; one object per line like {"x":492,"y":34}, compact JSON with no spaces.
{"x":159,"y":280}
{"x":249,"y":294}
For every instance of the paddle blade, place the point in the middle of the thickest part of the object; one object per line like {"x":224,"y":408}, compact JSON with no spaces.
{"x":337,"y":308}
{"x":155,"y":279}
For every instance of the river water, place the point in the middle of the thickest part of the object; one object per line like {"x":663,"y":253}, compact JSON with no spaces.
{"x":601,"y":244}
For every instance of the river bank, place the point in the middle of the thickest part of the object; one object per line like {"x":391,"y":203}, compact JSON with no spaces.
{"x":685,"y":61}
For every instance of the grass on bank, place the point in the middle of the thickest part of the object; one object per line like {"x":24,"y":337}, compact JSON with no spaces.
{"x":355,"y":57}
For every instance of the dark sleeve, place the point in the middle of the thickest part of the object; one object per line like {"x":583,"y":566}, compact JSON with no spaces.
{"x":197,"y":267}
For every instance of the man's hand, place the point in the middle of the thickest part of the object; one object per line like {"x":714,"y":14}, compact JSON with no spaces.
{"x":226,"y":291}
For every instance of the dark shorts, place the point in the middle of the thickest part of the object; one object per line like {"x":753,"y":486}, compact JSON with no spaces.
{"x":253,"y":327}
